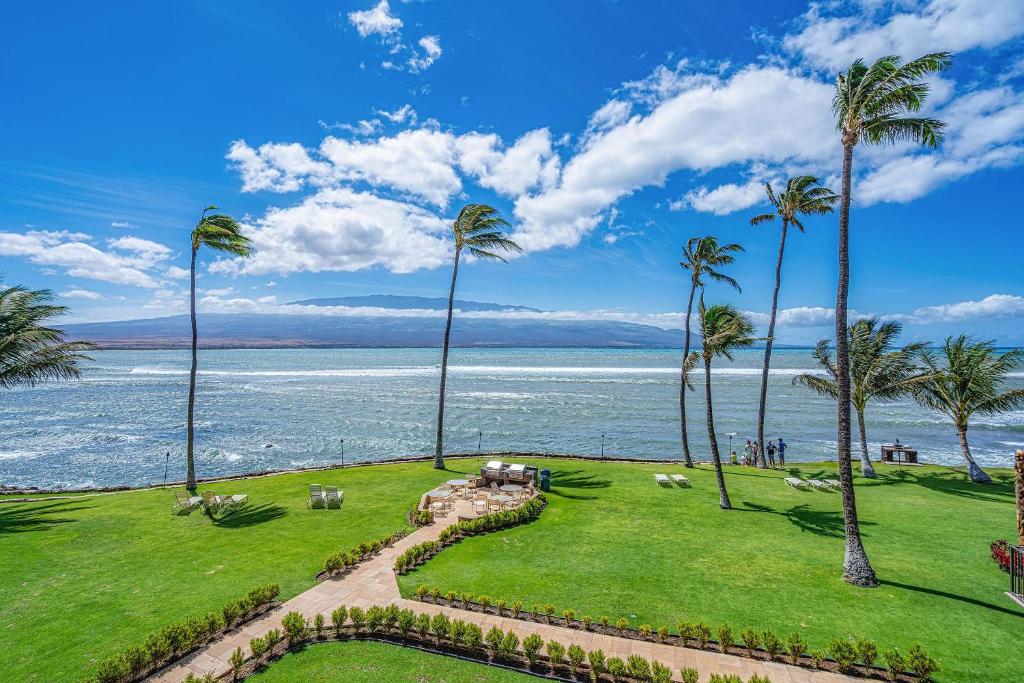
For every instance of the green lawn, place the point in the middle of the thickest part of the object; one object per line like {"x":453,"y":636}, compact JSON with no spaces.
{"x":368,"y":662}
{"x":82,"y":577}
{"x":613,"y":543}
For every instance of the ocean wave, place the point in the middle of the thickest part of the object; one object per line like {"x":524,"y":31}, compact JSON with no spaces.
{"x":467,"y":370}
{"x":19,"y":455}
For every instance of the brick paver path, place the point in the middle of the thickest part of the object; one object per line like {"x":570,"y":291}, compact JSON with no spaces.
{"x":374,"y":583}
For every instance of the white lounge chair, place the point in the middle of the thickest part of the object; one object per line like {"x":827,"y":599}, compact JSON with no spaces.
{"x":184,"y":504}
{"x":831,"y":483}
{"x":819,"y":485}
{"x":662,"y":479}
{"x":317,"y":499}
{"x":680,"y":479}
{"x":333,"y":497}
{"x":795,"y":483}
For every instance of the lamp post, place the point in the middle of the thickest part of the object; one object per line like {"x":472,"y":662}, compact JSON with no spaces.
{"x":167,"y":460}
{"x":731,"y":451}
{"x":479,"y":440}
{"x":343,"y":452}
{"x":602,"y":444}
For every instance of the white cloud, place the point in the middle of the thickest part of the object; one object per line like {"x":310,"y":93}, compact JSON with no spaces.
{"x":833,"y":39}
{"x":176,"y":273}
{"x":275,"y":167}
{"x":708,"y":123}
{"x":431,"y":52}
{"x":72,"y":253}
{"x":404,"y":114}
{"x":343,"y":230}
{"x":123,"y":224}
{"x":512,"y":171}
{"x":613,"y":113}
{"x":377,"y":20}
{"x":81,"y":294}
{"x":222,"y":292}
{"x":722,"y":200}
{"x":992,"y":306}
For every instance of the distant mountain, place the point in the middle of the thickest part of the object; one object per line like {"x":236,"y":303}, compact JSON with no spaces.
{"x":410,"y":302}
{"x":257,"y":330}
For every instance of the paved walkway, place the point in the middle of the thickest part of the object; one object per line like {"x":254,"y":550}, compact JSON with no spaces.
{"x":374,"y":583}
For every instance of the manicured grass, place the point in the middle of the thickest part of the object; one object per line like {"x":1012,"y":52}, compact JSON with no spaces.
{"x":614,"y":543}
{"x":368,"y":662}
{"x":80,"y":578}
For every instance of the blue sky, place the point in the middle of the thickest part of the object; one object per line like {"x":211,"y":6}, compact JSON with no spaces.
{"x":347,"y":134}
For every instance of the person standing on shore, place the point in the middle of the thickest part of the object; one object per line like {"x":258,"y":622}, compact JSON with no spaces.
{"x":770,"y":450}
{"x":782,"y":452}
{"x":748,"y":450}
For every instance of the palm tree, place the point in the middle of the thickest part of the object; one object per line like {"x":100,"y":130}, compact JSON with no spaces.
{"x":220,"y":233}
{"x":702,"y":256}
{"x":30,"y":351}
{"x":724,"y":329}
{"x":868,"y":105}
{"x":478,"y":229}
{"x":804,"y":195}
{"x":878,"y":370}
{"x":969,"y":382}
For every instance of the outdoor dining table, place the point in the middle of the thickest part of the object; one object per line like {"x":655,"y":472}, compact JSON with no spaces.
{"x":438,"y":493}
{"x":511,"y":488}
{"x":458,"y":482}
{"x":503,"y":499}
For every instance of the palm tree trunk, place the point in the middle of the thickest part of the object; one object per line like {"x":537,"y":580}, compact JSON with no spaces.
{"x":723,"y":495}
{"x":682,"y":379}
{"x":190,"y":480}
{"x":759,"y":460}
{"x":439,"y":442}
{"x":856,"y":566}
{"x":866,"y":469}
{"x":977,"y":475}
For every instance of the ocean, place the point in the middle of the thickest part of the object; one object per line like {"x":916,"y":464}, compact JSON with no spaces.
{"x":271,"y":409}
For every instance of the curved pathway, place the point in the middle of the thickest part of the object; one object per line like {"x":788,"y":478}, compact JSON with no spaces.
{"x":373,"y":583}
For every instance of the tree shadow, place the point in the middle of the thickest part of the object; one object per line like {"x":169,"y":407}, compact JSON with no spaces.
{"x":250,"y":515}
{"x":954,"y":596}
{"x":828,"y":523}
{"x":1000,"y":491}
{"x":26,"y":517}
{"x":575,"y":479}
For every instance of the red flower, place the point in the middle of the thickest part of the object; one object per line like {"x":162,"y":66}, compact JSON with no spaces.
{"x":1001,"y":554}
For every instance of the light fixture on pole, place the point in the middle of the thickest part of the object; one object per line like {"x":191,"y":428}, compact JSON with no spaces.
{"x":602,"y":444}
{"x":167,"y":460}
{"x":479,"y":440}
{"x":343,"y":452}
{"x":731,"y":451}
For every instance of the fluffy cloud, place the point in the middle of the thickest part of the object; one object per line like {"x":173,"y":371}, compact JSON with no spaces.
{"x":722,"y":200}
{"x":378,"y":20}
{"x":708,"y":122}
{"x":992,"y":306}
{"x":834,"y":34}
{"x":343,"y":230}
{"x":126,"y":262}
{"x":81,"y":294}
{"x":430,"y":52}
{"x":512,"y":171}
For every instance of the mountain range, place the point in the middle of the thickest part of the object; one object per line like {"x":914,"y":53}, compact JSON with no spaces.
{"x":376,"y":328}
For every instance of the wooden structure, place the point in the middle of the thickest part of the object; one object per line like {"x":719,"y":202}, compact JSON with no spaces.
{"x":1019,"y":487}
{"x":504,"y":473}
{"x":899,"y":453}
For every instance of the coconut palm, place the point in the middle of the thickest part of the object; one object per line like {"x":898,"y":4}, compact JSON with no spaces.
{"x":869,"y":104}
{"x":878,"y":370}
{"x":702,"y":257}
{"x":220,"y":233}
{"x":724,"y":330}
{"x":30,"y":350}
{"x":477,"y":229}
{"x":969,"y":381}
{"x":804,"y":196}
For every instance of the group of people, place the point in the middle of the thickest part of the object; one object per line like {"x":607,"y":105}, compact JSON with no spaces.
{"x":750,"y":453}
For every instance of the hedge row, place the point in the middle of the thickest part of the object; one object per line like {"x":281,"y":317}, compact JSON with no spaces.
{"x":470,"y":527}
{"x":843,"y":654}
{"x":345,"y":559}
{"x":176,"y":640}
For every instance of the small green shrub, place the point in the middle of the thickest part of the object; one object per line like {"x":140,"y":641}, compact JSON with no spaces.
{"x":556,"y":653}
{"x":597,"y":663}
{"x":484,"y":601}
{"x":457,"y":631}
{"x":616,"y":667}
{"x":842,"y":651}
{"x":294,"y":627}
{"x":867,"y":651}
{"x":391,"y":613}
{"x":638,"y":667}
{"x":473,"y":637}
{"x":702,"y":632}
{"x":338,"y":617}
{"x":494,"y":638}
{"x":622,"y":624}
{"x":604,"y":621}
{"x":258,"y":647}
{"x":724,"y":638}
{"x":663,"y":633}
{"x":516,"y":608}
{"x":817,"y":657}
{"x":374,"y":617}
{"x":318,"y":624}
{"x":569,"y":615}
{"x":920,"y":663}
{"x":531,"y":647}
{"x":549,"y":610}
{"x":895,"y":663}
{"x":509,"y":645}
{"x":796,"y":647}
{"x":358,"y":617}
{"x":587,"y":621}
{"x":689,"y":675}
{"x":685,"y":629}
{"x":771,"y":643}
{"x":440,"y":624}
{"x":660,"y":673}
{"x":422,"y":624}
{"x":422,"y":592}
{"x":758,"y":678}
{"x":450,"y":597}
{"x":237,"y":661}
{"x":576,"y":655}
{"x":645,"y":630}
{"x":750,"y":640}
{"x":273,"y":637}
{"x":500,"y":604}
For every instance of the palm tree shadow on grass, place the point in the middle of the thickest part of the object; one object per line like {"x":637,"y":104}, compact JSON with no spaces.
{"x":21,"y":518}
{"x":574,"y":479}
{"x":251,"y":515}
{"x":954,"y":596}
{"x":1000,"y":491}
{"x":828,"y":523}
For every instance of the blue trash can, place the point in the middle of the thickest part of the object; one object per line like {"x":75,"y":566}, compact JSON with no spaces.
{"x":545,"y":480}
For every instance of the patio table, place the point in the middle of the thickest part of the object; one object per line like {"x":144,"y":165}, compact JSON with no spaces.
{"x":458,"y":482}
{"x":438,"y":493}
{"x":511,"y":488}
{"x":503,"y":499}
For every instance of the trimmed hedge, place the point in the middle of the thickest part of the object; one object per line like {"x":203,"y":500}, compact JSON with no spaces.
{"x":342,"y":560}
{"x":178,"y":639}
{"x":470,"y":527}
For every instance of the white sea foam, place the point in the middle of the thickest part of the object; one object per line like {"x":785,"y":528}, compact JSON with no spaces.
{"x":19,"y":455}
{"x":468,"y":370}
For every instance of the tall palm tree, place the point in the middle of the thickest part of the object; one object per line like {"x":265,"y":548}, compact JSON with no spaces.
{"x":724,"y":330}
{"x":30,"y":350}
{"x":220,"y":233}
{"x":477,"y":229}
{"x":702,"y":256}
{"x":804,"y":196}
{"x":868,"y":105}
{"x":969,"y":382}
{"x":878,"y":370}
